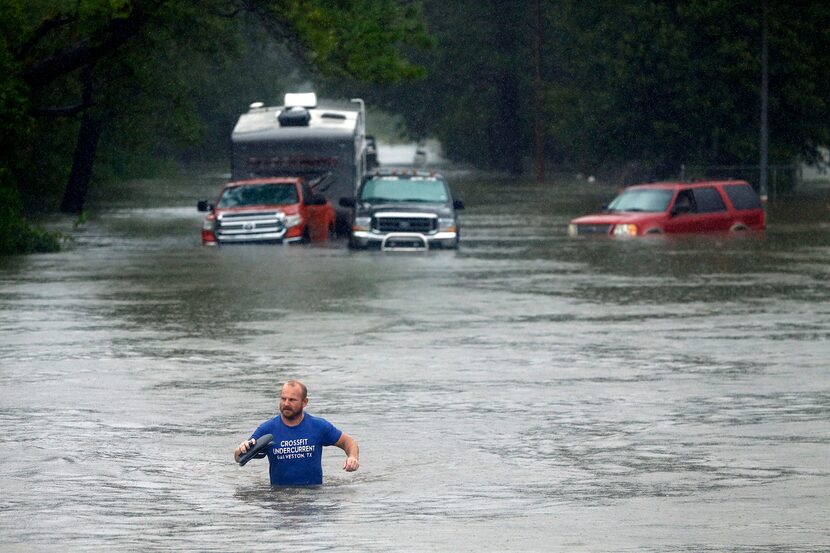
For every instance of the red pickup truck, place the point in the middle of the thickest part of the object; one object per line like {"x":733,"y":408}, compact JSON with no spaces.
{"x":274,"y":209}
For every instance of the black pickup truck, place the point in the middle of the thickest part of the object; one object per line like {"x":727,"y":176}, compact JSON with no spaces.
{"x":411,"y":210}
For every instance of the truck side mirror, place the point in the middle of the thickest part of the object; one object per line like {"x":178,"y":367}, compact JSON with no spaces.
{"x":203,"y":205}
{"x":316,"y":199}
{"x":458,"y":204}
{"x":347,"y":202}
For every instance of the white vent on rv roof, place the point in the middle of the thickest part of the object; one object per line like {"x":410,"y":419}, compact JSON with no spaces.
{"x":301,"y":100}
{"x":256,"y":105}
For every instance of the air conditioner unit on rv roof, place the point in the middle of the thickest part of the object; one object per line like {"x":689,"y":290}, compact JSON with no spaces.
{"x":301,"y":100}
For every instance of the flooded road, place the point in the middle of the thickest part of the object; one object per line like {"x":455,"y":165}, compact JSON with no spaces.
{"x":529,"y":392}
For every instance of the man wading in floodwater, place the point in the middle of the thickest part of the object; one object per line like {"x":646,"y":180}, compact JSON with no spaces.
{"x":296,"y":454}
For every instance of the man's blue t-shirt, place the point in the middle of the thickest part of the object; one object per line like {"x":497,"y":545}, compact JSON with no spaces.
{"x":296,"y":455}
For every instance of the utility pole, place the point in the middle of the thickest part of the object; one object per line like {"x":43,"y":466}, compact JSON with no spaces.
{"x":764,"y":102}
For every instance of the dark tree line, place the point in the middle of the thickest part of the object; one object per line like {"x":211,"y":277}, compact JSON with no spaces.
{"x":654,"y":84}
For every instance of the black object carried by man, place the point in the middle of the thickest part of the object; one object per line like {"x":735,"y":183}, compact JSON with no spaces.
{"x":257,"y":450}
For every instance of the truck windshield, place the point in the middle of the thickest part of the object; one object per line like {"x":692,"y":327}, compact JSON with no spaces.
{"x":404,"y":190}
{"x":259,"y":194}
{"x":642,"y":200}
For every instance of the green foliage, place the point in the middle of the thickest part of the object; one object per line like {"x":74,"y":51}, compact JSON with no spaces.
{"x":677,"y":83}
{"x":153,"y":97}
{"x":360,"y":39}
{"x":655,"y":84}
{"x":16,"y":234}
{"x":475,"y":97}
{"x":15,"y":124}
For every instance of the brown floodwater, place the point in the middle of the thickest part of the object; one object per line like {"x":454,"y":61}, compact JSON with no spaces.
{"x":529,"y":392}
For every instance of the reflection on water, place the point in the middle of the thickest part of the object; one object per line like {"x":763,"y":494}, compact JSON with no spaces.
{"x":529,"y":392}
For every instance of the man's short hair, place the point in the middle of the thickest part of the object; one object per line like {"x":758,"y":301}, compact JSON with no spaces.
{"x":303,"y":389}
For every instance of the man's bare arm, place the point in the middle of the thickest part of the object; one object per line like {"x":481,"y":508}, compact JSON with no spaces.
{"x":349,"y":445}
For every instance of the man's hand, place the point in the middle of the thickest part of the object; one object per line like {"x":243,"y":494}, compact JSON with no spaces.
{"x":351,"y":464}
{"x":242,"y":449}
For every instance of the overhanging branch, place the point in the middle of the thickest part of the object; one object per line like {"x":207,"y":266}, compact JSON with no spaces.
{"x":66,"y":111}
{"x":43,"y":29}
{"x":63,"y":111}
{"x":88,"y":50}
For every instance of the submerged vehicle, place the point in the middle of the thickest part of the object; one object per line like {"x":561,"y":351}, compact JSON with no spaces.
{"x":676,"y":207}
{"x":277,"y":210}
{"x":411,"y":210}
{"x":325,"y":146}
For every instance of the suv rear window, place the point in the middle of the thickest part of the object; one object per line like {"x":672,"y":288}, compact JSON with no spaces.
{"x":708,"y":200}
{"x":742,"y":196}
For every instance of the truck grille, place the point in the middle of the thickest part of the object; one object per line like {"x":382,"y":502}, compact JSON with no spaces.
{"x":265,"y":225}
{"x":593,"y":229}
{"x":405,"y":223}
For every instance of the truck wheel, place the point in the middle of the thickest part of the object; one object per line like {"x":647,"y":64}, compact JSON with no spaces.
{"x":352,"y":244}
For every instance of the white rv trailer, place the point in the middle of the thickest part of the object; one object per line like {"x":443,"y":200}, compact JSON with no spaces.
{"x":325,"y":146}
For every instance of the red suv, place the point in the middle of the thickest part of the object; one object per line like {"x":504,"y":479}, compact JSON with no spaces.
{"x":279,"y":209}
{"x":676,"y":207}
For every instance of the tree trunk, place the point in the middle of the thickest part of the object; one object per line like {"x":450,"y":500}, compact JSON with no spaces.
{"x":505,"y":134}
{"x":77,"y":187}
{"x":505,"y":143}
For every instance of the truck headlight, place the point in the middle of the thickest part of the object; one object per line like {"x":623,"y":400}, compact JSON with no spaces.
{"x":208,"y":224}
{"x":293,"y":220}
{"x":361,"y":223}
{"x":446,"y":225}
{"x":625,"y":230}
